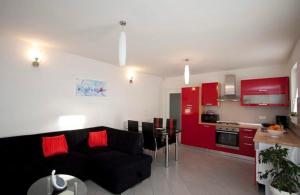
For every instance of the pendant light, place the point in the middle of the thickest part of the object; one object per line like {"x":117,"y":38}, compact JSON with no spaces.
{"x":122,"y":44}
{"x":186,"y":73}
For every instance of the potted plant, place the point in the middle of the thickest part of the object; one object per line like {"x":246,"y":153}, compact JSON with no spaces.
{"x":283,"y":173}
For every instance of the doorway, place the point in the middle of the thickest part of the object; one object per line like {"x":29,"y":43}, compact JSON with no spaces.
{"x":175,"y":107}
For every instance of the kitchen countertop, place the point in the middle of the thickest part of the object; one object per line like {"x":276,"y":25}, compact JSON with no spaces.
{"x":203,"y":123}
{"x":288,"y":139}
{"x":241,"y":125}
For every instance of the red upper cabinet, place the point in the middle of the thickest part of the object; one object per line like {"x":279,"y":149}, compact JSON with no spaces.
{"x":210,"y":94}
{"x":265,"y":92}
{"x":190,"y":97}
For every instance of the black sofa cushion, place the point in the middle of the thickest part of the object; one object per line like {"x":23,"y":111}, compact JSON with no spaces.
{"x":117,"y":171}
{"x":125,"y":141}
{"x":97,"y":150}
{"x":73,"y":163}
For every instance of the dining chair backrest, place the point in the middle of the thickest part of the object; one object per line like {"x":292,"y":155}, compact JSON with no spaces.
{"x":133,"y":126}
{"x":171,"y":124}
{"x":148,"y":134}
{"x":158,"y":122}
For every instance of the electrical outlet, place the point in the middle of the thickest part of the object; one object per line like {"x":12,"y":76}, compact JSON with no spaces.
{"x":262,"y":117}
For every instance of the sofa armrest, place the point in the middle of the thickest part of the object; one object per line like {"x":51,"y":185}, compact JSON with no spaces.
{"x":124,"y":141}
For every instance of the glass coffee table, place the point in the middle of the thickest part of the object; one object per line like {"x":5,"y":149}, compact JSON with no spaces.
{"x":43,"y":186}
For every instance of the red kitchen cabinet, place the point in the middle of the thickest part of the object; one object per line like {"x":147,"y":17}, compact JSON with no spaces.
{"x":190,"y":115}
{"x":246,"y":142}
{"x":189,"y":134}
{"x":207,"y":137}
{"x":265,"y":92}
{"x":210,"y":94}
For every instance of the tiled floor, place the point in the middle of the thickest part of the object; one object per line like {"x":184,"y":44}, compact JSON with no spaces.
{"x":196,"y":173}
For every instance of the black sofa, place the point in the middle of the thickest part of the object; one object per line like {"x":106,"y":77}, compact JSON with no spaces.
{"x":116,"y":168}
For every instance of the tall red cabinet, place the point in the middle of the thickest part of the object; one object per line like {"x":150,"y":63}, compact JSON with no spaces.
{"x":190,"y":115}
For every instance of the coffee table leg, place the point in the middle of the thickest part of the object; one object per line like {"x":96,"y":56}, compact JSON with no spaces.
{"x":49,"y":185}
{"x":167,"y":151}
{"x":176,"y":147}
{"x":75,"y":188}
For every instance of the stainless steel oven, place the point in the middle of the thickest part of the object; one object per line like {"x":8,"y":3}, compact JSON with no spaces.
{"x":227,"y":137}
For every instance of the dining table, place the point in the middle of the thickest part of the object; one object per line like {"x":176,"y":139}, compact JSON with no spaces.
{"x":165,"y":135}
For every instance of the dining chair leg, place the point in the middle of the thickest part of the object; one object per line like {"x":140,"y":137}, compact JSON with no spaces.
{"x":155,"y":152}
{"x":167,"y":151}
{"x":176,"y":148}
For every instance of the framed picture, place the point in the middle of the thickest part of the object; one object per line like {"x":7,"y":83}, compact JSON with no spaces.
{"x":86,"y":87}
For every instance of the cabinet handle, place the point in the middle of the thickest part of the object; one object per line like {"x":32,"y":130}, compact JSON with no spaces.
{"x":262,"y":90}
{"x":208,"y":104}
{"x":248,"y":130}
{"x":262,"y":104}
{"x":248,"y":144}
{"x":206,"y":126}
{"x":247,"y":137}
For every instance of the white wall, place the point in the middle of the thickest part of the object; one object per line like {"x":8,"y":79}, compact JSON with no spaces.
{"x":295,"y":58}
{"x":229,"y":110}
{"x":33,"y":99}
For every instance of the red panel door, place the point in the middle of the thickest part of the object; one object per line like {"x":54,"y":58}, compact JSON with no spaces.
{"x":201,"y":134}
{"x":210,"y":94}
{"x":189,"y":115}
{"x":207,"y":134}
{"x":189,"y":130}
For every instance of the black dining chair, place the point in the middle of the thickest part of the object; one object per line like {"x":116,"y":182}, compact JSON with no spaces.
{"x":158,"y":122}
{"x":133,"y":126}
{"x":152,"y":141}
{"x":171,"y":126}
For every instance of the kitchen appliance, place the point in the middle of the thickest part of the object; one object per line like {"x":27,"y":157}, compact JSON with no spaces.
{"x":229,"y":89}
{"x":227,"y":135}
{"x":210,"y":118}
{"x":282,"y":120}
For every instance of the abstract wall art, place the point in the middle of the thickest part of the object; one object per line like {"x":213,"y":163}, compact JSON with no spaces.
{"x":86,"y":87}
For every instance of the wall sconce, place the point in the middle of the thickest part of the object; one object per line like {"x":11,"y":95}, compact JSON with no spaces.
{"x":130,"y":76}
{"x":131,"y":80}
{"x":35,"y":55}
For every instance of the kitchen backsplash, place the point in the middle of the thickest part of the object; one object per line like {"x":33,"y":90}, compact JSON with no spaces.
{"x":232,"y":111}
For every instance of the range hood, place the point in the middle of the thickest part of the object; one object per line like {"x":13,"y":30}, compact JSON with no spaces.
{"x":229,"y":89}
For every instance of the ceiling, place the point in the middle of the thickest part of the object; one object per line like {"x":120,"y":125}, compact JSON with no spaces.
{"x":215,"y":35}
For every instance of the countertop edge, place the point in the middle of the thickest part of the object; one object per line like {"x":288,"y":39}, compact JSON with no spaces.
{"x":291,"y":139}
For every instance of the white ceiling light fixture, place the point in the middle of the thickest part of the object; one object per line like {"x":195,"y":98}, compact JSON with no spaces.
{"x":186,"y":73}
{"x":122,"y":44}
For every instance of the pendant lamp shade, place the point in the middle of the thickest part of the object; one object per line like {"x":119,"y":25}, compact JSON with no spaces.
{"x":186,"y":74}
{"x":122,"y":46}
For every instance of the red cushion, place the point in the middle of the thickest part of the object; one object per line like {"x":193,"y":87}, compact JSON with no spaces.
{"x":97,"y":139}
{"x":54,"y":145}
